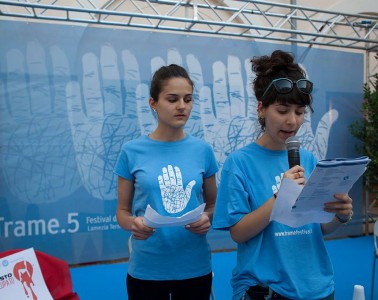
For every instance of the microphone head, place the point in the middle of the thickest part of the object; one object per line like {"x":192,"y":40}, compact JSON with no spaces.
{"x":292,"y":143}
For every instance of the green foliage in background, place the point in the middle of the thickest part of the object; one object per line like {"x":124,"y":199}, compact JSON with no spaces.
{"x":366,"y":129}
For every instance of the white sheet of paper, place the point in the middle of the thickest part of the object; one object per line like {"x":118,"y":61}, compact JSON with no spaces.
{"x":298,"y":205}
{"x":23,"y":277}
{"x":153,"y":219}
{"x":282,"y":210}
{"x":327,"y":179}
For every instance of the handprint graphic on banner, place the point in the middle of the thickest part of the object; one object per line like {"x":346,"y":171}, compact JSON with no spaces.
{"x":227,"y":114}
{"x":71,"y":96}
{"x":103,"y":118}
{"x":38,"y":158}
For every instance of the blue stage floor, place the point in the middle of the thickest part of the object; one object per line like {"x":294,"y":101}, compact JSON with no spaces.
{"x":352,"y":259}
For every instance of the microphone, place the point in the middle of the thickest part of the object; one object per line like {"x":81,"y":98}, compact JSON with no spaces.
{"x":292,"y":146}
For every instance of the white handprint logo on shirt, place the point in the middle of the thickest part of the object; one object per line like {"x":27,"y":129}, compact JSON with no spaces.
{"x":174,"y":197}
{"x":276,"y":187}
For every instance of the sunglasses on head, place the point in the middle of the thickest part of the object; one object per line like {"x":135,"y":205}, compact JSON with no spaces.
{"x":285,"y":86}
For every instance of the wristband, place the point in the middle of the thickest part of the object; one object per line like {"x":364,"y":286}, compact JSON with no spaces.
{"x":275,"y":195}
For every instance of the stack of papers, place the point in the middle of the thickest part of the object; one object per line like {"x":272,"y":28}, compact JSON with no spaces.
{"x":297,"y":205}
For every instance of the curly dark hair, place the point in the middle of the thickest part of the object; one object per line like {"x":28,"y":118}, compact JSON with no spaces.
{"x":279,"y":65}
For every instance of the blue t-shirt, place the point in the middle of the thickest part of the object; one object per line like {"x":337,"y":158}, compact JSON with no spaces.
{"x":169,"y":177}
{"x":292,"y":261}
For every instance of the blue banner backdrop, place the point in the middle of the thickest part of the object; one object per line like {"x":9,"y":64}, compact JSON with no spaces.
{"x":71,"y":95}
